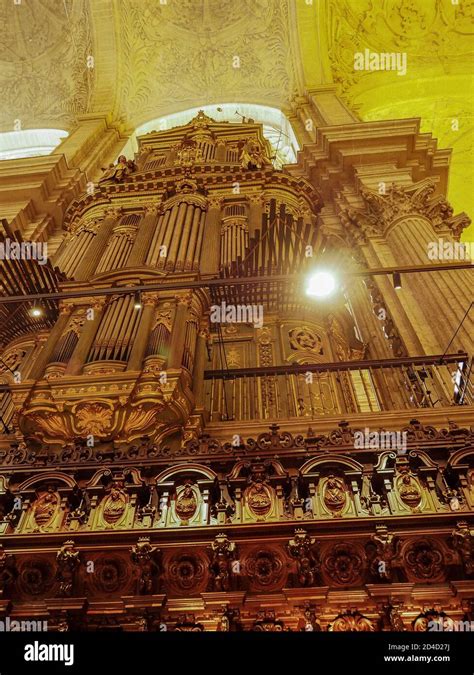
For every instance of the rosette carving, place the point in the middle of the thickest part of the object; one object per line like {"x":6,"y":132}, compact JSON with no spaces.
{"x":343,"y":564}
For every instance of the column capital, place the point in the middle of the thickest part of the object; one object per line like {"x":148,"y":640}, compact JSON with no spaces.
{"x":184,"y":298}
{"x":98,"y":304}
{"x":91,"y":225}
{"x":113,"y":212}
{"x":152,"y":209}
{"x":65,"y":308}
{"x":256,"y":198}
{"x":128,"y":231}
{"x":150,"y":299}
{"x":215,"y":201}
{"x":383,"y":208}
{"x":41,"y":338}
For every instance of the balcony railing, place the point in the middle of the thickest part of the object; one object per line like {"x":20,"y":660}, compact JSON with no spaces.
{"x":316,"y":390}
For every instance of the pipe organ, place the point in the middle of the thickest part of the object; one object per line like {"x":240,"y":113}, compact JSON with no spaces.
{"x":117,"y":331}
{"x":119,"y":245}
{"x":234,"y":237}
{"x":218,"y":447}
{"x":178,"y":253}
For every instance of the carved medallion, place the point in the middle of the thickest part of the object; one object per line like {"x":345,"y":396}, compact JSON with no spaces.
{"x":114,"y":506}
{"x":46,"y":507}
{"x":305,"y":339}
{"x":111,"y":574}
{"x":187,"y":573}
{"x":36,"y":577}
{"x":424,"y":560}
{"x":334,"y":494}
{"x":94,"y":418}
{"x":186,"y":504}
{"x":408,"y":490}
{"x":265,"y":569}
{"x":259,"y":499}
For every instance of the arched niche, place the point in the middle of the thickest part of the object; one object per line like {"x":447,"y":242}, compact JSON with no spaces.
{"x":186,"y":495}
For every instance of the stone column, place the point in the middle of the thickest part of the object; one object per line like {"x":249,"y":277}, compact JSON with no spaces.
{"x":143,"y":333}
{"x":86,"y":338}
{"x":210,"y":261}
{"x":410,"y":221}
{"x":402,"y":313}
{"x":178,"y":331}
{"x":445,"y":295}
{"x":43,"y":357}
{"x":146,"y":230}
{"x":95,"y":251}
{"x":199,"y":367}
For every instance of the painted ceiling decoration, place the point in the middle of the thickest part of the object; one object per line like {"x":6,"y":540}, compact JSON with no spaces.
{"x":150,"y":60}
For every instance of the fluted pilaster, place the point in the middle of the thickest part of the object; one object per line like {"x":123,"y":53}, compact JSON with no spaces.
{"x":399,"y":227}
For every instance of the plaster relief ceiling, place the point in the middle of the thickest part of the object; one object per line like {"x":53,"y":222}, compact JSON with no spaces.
{"x":187,"y":53}
{"x":44,"y":79}
{"x":437,"y":37}
{"x":149,"y":59}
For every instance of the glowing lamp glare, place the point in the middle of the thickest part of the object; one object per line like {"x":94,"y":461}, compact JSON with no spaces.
{"x":320,"y":284}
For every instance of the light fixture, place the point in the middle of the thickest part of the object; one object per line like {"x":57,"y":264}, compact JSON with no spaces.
{"x":321,"y":284}
{"x":36,"y":310}
{"x":397,"y":280}
{"x":137,"y":302}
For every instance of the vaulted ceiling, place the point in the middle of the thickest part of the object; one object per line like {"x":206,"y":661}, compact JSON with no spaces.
{"x":151,"y":58}
{"x":148,"y":59}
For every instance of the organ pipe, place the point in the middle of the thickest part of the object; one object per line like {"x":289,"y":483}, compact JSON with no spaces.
{"x":116,"y":332}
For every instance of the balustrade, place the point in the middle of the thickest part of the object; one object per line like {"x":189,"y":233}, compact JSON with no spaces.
{"x":313,"y":391}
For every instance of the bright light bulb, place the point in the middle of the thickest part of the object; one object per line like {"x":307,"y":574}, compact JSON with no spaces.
{"x":137,"y":302}
{"x":321,"y":284}
{"x":36,"y":311}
